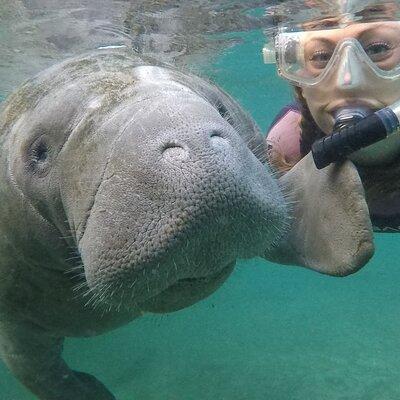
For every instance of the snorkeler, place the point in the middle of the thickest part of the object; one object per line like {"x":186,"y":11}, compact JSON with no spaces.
{"x":344,"y":66}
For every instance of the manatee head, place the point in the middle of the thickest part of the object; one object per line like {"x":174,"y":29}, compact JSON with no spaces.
{"x":152,"y":175}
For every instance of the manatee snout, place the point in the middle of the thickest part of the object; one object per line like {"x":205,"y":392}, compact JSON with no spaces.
{"x":182,"y":197}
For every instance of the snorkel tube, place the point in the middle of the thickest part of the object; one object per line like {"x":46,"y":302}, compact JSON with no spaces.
{"x":354,"y":129}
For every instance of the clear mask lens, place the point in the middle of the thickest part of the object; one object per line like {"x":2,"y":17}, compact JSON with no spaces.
{"x":307,"y":57}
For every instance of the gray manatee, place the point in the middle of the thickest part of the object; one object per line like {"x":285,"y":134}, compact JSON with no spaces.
{"x":125,"y":188}
{"x":128,"y":188}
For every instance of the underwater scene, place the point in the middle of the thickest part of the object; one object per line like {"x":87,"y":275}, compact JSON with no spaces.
{"x":271,"y":330}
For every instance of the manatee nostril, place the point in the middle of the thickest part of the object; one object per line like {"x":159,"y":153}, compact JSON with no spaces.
{"x":173,"y":150}
{"x":218,"y":140}
{"x":171,"y":145}
{"x":216,"y":134}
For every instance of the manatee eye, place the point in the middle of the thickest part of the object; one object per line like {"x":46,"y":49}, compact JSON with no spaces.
{"x":222,"y":110}
{"x":38,"y":156}
{"x":224,"y":113}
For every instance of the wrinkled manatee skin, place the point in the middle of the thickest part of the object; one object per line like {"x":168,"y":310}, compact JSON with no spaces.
{"x":125,"y":188}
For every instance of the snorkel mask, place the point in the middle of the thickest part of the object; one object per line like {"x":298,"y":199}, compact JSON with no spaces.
{"x":355,"y":50}
{"x":312,"y":58}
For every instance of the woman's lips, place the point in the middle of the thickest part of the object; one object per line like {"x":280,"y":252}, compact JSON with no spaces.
{"x":373,"y":105}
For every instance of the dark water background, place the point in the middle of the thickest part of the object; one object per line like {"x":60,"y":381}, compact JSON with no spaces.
{"x":271,"y":332}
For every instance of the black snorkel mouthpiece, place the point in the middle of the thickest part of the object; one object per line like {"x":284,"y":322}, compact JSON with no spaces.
{"x":354,"y":129}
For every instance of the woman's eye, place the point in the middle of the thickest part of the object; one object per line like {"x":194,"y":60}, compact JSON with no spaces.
{"x":377,"y":51}
{"x":319,"y":59}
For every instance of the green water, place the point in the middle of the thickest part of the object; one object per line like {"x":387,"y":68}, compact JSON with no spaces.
{"x":272,"y":332}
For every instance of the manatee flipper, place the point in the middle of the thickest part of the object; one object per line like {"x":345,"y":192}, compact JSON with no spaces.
{"x":330,"y":230}
{"x":35,"y":359}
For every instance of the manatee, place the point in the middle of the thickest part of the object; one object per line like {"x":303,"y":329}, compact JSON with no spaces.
{"x":126,"y":187}
{"x":129,"y":187}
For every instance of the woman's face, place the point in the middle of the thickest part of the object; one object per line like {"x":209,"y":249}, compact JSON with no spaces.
{"x":351,"y":84}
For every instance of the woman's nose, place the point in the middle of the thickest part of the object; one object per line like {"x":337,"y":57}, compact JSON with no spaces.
{"x":349,"y":75}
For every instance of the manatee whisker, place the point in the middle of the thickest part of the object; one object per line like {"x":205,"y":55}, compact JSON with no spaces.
{"x":77,"y":267}
{"x":258,"y":149}
{"x":66,"y":237}
{"x":176,"y":267}
{"x":80,"y":286}
{"x":91,"y":300}
{"x":133,"y":284}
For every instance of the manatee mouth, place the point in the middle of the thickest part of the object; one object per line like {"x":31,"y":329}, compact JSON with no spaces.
{"x":187,"y":291}
{"x":202,"y":279}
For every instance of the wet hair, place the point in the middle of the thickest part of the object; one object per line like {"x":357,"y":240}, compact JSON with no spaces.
{"x":310,"y":132}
